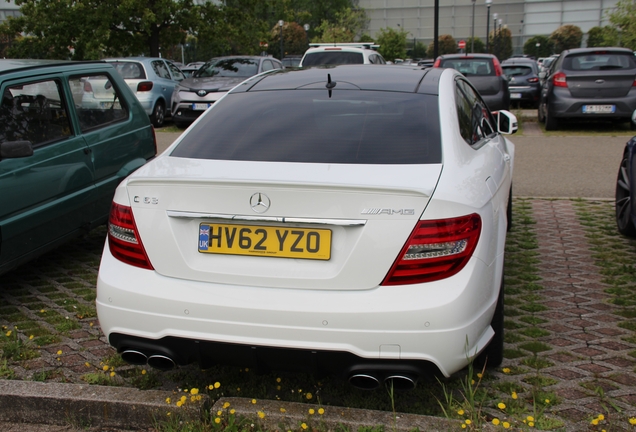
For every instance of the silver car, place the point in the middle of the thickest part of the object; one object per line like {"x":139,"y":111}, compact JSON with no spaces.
{"x":213,"y":80}
{"x":152,"y":80}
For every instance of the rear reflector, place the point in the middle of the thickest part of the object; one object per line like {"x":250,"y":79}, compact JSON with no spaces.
{"x":437,"y":249}
{"x":123,"y":238}
{"x":533,"y":80}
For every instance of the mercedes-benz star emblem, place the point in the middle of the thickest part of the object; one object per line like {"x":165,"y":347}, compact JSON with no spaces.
{"x":259,"y":202}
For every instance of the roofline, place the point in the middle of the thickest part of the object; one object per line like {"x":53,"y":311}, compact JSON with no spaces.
{"x":364,"y":45}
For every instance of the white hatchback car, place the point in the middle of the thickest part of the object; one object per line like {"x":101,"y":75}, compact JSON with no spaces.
{"x":349,"y":220}
{"x":322,"y":54}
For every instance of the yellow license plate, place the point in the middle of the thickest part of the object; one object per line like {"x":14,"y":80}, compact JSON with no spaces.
{"x":255,"y":240}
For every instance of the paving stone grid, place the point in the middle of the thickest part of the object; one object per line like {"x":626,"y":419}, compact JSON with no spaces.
{"x":590,"y":362}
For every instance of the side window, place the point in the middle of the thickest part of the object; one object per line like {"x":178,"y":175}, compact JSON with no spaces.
{"x":267,"y":65}
{"x":277,"y":65}
{"x":476,"y":122}
{"x":177,"y":75}
{"x":34,"y":112}
{"x":160,"y":69}
{"x":97,"y":101}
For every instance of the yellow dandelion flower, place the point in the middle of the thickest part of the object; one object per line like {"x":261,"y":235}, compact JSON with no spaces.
{"x":472,"y":382}
{"x":278,"y":387}
{"x":278,"y":380}
{"x":179,"y":403}
{"x":194,"y":391}
{"x":496,"y":421}
{"x":632,"y":421}
{"x":311,"y":411}
{"x":463,"y":426}
{"x":460,"y":412}
{"x":225,"y":405}
{"x":303,"y":425}
{"x":531,"y":424}
{"x":31,"y":337}
{"x":283,"y":410}
{"x":112,"y":374}
{"x":594,"y":422}
{"x":193,"y":398}
{"x":514,"y":395}
{"x":506,"y":370}
{"x":480,"y":375}
{"x":217,"y":385}
{"x":321,"y":411}
{"x":232,"y":411}
{"x":168,"y":413}
{"x":238,"y":389}
{"x":183,"y":399}
{"x":185,"y":390}
{"x":530,"y":418}
{"x":468,"y":421}
{"x":143,"y":372}
{"x":261,"y":414}
{"x":309,"y":396}
{"x":87,"y":364}
{"x":217,"y":420}
{"x":219,"y":413}
{"x":168,"y":400}
{"x":501,"y":405}
{"x":254,"y":401}
{"x":547,"y":401}
{"x":59,"y":352}
{"x":41,"y":310}
{"x":601,"y":417}
{"x":506,"y":425}
{"x":198,"y":397}
{"x":91,"y":324}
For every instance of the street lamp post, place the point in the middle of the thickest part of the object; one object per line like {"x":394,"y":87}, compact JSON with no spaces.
{"x":306,"y":27}
{"x":488,"y":3}
{"x":538,"y":45}
{"x":472,"y":31}
{"x":494,"y":34}
{"x":280,"y":24}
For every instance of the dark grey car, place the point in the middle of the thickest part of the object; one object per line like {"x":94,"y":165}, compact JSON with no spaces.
{"x":485,"y":73}
{"x":213,"y":80}
{"x":589,"y":83}
{"x":523,"y":80}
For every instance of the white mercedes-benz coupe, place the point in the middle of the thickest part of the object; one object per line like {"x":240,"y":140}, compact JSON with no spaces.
{"x":346,"y":220}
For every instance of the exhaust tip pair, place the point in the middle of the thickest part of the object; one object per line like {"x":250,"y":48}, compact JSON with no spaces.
{"x":157,"y":361}
{"x":369,"y":381}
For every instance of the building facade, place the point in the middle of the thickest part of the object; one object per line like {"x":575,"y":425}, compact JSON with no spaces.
{"x":524,"y":18}
{"x":8,"y":9}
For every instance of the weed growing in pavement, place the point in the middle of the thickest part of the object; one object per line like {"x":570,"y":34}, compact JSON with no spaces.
{"x":5,"y":371}
{"x":16,"y":348}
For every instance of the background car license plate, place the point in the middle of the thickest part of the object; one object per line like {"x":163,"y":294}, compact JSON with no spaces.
{"x":599,"y":109}
{"x":255,"y":240}
{"x":515,"y":95}
{"x":200,"y":106}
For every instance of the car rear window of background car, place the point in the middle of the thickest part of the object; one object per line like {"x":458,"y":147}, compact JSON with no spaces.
{"x":332,"y":58}
{"x":314,"y":126}
{"x":599,"y":61}
{"x":470,"y":66}
{"x":517,"y":70}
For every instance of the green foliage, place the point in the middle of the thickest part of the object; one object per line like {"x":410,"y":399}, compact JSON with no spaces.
{"x":566,"y":37}
{"x":623,"y":17}
{"x":446,"y":45}
{"x":475,"y":46}
{"x":346,"y":26}
{"x":501,"y":43}
{"x":294,"y":39}
{"x":392,"y":43}
{"x":544,"y":49}
{"x":419,"y":51}
{"x":602,"y":36}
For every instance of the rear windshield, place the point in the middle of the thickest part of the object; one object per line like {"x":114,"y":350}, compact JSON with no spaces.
{"x":332,"y":58}
{"x":511,"y":71}
{"x":468,"y":66}
{"x":241,"y":67}
{"x":348,"y":126}
{"x":599,"y":61}
{"x":129,"y":70}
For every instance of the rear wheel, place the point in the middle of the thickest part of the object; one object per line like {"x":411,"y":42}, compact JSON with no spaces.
{"x":492,"y":355}
{"x":158,"y":115}
{"x":551,"y":123}
{"x":540,"y":113}
{"x":623,"y":200}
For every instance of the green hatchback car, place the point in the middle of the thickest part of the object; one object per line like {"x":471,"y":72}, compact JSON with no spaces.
{"x":61,"y":155}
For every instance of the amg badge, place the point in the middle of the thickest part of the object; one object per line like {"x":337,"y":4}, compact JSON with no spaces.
{"x":388,"y":211}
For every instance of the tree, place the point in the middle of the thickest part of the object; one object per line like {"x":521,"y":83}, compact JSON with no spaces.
{"x":419,"y":51}
{"x":392,"y":43}
{"x":623,"y":18}
{"x":477,"y":45}
{"x":543,"y":50}
{"x":445,"y":44}
{"x":567,"y":36}
{"x":347,"y":26}
{"x":502,"y":43}
{"x":294,"y":39}
{"x":602,"y":36}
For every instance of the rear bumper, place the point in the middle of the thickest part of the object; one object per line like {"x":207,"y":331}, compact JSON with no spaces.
{"x":562,"y":105}
{"x":413,"y":326}
{"x":524,"y":94}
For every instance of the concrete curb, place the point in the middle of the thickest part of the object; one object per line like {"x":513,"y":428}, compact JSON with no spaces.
{"x":84,"y":406}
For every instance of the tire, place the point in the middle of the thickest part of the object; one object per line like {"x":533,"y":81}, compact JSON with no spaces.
{"x":180,"y":125}
{"x":623,"y":205}
{"x":540,"y":115}
{"x":158,"y":115}
{"x":492,"y":355}
{"x":551,"y":123}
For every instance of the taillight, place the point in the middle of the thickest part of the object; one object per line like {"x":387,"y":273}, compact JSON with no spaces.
{"x":559,"y":80}
{"x":123,"y":238}
{"x":88,"y":88}
{"x":436,"y":249}
{"x":437,"y":62}
{"x":498,"y":70}
{"x":144,"y":86}
{"x":533,"y":80}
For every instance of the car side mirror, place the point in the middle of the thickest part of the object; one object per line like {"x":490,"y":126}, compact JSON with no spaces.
{"x":15,"y":149}
{"x":542,"y":75}
{"x":506,"y":122}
